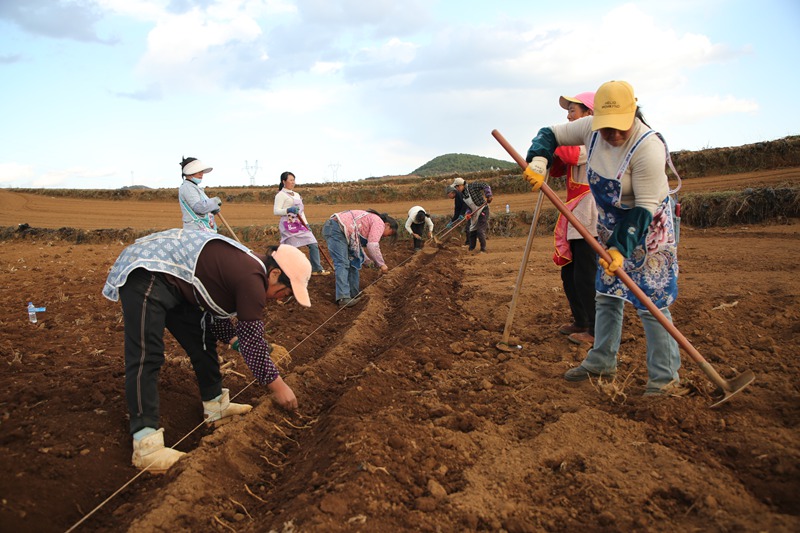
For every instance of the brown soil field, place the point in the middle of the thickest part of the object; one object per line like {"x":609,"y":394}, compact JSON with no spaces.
{"x":41,"y":211}
{"x":410,"y":419}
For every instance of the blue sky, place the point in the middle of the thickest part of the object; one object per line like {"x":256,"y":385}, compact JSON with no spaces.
{"x":107,"y":93}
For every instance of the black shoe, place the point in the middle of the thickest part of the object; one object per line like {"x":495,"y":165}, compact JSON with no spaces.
{"x":346,"y":302}
{"x":581,"y":374}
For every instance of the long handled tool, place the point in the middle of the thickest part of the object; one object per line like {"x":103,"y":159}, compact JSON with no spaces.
{"x":219,"y":215}
{"x":726,"y":387}
{"x":440,"y":239}
{"x":503,"y":344}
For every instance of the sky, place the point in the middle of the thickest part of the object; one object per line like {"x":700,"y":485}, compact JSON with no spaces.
{"x":103,"y":94}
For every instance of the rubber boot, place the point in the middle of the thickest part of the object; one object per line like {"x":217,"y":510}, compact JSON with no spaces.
{"x":150,"y":453}
{"x":217,"y":412}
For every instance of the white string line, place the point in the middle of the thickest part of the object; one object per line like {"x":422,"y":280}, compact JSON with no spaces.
{"x":198,"y":426}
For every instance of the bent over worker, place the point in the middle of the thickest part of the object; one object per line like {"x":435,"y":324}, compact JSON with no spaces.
{"x":192,"y":283}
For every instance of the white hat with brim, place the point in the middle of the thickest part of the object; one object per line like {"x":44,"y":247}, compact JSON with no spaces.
{"x":297,"y":268}
{"x":196,"y":166}
{"x":457,"y":182}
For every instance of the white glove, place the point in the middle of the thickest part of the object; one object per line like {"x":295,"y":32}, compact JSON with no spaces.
{"x":217,"y":200}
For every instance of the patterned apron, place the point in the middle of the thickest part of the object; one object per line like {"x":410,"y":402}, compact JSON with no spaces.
{"x":292,"y":229}
{"x":653,"y":264}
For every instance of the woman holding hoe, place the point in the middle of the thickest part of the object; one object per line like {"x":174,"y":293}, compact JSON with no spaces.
{"x":573,"y":254}
{"x":293,"y":225}
{"x":626,"y":173}
{"x":197,"y":208}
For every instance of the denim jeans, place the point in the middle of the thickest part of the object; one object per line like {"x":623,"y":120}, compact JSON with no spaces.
{"x":313,"y":256}
{"x":663,"y":355}
{"x":347,"y":276}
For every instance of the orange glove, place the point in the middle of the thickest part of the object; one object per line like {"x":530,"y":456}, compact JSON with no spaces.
{"x":616,"y":262}
{"x":468,"y":216}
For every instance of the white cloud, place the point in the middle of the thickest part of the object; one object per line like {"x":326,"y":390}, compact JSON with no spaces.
{"x":11,"y":174}
{"x":691,"y":109}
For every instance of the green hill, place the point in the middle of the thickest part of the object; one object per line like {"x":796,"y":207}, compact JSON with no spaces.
{"x":450,"y":163}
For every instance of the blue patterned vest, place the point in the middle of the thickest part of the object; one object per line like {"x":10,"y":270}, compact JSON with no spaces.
{"x":173,"y":252}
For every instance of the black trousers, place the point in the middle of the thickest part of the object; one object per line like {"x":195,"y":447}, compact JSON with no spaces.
{"x":150,"y":304}
{"x":418,"y":229}
{"x":478,"y":235}
{"x":578,"y":280}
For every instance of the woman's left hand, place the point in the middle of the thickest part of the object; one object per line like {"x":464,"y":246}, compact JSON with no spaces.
{"x":616,"y":262}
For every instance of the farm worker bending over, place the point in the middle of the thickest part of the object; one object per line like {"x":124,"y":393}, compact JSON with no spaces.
{"x":626,"y":173}
{"x":192,"y":283}
{"x":293,"y":225}
{"x":198,"y":210}
{"x":417,"y":224}
{"x":577,"y":259}
{"x":477,"y":197}
{"x":460,"y":210}
{"x":349,"y":235}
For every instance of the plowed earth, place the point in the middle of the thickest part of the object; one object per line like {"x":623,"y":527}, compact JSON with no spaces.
{"x":410,"y":418}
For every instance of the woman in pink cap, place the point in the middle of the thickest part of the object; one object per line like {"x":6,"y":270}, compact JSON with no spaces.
{"x":193,"y":283}
{"x":574,"y":255}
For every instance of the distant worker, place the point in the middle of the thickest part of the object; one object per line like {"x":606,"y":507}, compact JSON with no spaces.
{"x":460,"y":211}
{"x":577,"y":259}
{"x":293,"y":225}
{"x":477,"y":196}
{"x":352,"y":237}
{"x":197,"y":208}
{"x":418,"y":224}
{"x":192,"y":283}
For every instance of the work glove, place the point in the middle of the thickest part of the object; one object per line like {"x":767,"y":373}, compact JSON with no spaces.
{"x":215,"y":212}
{"x":535,"y":172}
{"x":449,"y":225}
{"x":468,"y":216}
{"x":293,"y":210}
{"x":217,"y":201}
{"x":489,"y":199}
{"x":616,"y":261}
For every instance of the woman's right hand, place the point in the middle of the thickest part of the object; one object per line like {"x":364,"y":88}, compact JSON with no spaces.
{"x":283,"y":394}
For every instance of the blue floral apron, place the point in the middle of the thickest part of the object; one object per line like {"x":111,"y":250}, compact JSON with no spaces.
{"x":653,"y":264}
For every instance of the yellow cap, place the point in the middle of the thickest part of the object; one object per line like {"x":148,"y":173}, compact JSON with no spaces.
{"x":614,"y":106}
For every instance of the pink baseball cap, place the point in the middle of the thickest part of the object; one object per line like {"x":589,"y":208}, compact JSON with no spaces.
{"x":586,"y":99}
{"x":297,"y":268}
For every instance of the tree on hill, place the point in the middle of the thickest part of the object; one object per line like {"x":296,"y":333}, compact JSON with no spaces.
{"x":450,"y":163}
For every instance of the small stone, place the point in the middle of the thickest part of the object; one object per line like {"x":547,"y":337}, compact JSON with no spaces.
{"x":436,"y":490}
